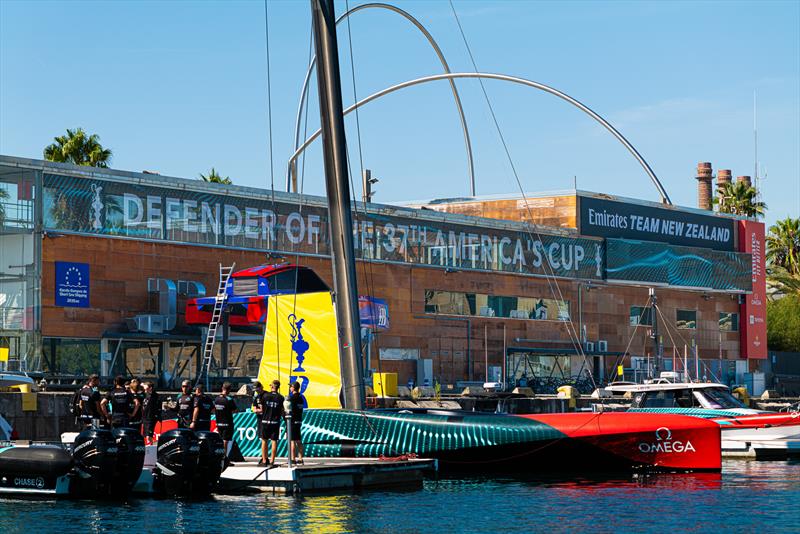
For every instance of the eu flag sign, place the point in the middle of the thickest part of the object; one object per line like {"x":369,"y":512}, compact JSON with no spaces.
{"x":72,"y":284}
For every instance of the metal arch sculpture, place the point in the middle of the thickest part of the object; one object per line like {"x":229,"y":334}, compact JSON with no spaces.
{"x":504,"y":77}
{"x":292,"y":171}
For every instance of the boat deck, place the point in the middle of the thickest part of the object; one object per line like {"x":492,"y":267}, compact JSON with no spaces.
{"x":325,"y":475}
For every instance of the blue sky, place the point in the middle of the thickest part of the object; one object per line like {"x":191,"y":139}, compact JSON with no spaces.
{"x":178,"y":87}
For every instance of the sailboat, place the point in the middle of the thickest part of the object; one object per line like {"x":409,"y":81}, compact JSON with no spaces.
{"x":460,"y":441}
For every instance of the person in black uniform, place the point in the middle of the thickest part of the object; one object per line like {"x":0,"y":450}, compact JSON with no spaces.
{"x":90,"y":403}
{"x":151,"y":411}
{"x":296,"y":405}
{"x":258,"y":390}
{"x":136,"y":408}
{"x":121,"y":401}
{"x":224,"y":407}
{"x":185,"y":403}
{"x":271,"y":415}
{"x":203,"y":406}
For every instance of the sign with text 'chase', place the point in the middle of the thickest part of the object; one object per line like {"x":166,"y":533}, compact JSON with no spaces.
{"x":72,"y":284}
{"x":608,"y":218}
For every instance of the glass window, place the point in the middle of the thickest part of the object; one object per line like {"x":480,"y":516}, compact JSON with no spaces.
{"x":686,"y":319}
{"x":718,"y":398}
{"x":641,"y":315}
{"x":729,"y":322}
{"x":483,"y":305}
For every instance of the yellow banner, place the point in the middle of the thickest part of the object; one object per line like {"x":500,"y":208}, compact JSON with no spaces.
{"x":3,"y":354}
{"x":301,"y":344}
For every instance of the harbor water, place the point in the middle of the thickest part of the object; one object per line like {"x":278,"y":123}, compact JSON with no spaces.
{"x":748,"y":496}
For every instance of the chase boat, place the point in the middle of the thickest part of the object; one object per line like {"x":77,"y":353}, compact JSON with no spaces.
{"x":745,"y":432}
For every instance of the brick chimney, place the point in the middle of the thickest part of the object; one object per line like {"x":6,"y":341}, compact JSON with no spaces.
{"x":745,"y":179}
{"x":704,"y":185}
{"x":723,"y":177}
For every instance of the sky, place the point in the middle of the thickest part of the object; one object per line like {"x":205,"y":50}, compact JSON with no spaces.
{"x":179,"y":87}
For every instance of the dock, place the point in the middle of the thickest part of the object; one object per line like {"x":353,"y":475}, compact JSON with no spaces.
{"x":322,"y":475}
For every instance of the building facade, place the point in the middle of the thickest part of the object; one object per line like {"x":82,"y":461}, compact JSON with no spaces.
{"x":514,"y":289}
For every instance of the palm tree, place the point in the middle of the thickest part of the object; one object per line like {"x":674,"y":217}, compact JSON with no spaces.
{"x":79,"y":149}
{"x":3,"y":196}
{"x":739,"y":198}
{"x":215,"y":178}
{"x":783,"y":245}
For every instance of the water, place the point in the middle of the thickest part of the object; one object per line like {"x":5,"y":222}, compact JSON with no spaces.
{"x":747,"y":497}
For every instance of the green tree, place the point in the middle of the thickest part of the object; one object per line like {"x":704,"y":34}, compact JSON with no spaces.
{"x":3,"y":196}
{"x":783,"y":323}
{"x":214,"y":177}
{"x":783,"y":245}
{"x":739,"y":198}
{"x":78,"y":148}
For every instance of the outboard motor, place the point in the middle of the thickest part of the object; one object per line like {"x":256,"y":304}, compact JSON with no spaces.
{"x":210,"y":463}
{"x":130,"y":459}
{"x":34,"y":469}
{"x":94,"y":452}
{"x":176,"y":463}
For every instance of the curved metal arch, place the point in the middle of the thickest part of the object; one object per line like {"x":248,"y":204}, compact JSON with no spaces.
{"x":504,"y":77}
{"x":292,"y":171}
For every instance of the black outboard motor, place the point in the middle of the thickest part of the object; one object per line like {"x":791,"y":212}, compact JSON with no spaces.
{"x":130,"y":459}
{"x":210,"y":463}
{"x":176,"y":464}
{"x":94,"y":452}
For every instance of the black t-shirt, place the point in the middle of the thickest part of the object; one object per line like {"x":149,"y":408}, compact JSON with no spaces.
{"x":296,"y":403}
{"x":89,"y":397}
{"x":151,"y":407}
{"x":224,"y":406}
{"x":185,"y":406}
{"x":272,"y":404}
{"x":120,"y":400}
{"x":137,"y":415}
{"x":205,"y":405}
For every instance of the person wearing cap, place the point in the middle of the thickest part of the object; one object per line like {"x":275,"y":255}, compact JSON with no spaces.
{"x":201,"y":413}
{"x":185,"y":403}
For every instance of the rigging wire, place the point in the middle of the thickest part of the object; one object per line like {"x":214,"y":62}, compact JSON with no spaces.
{"x":552,"y":281}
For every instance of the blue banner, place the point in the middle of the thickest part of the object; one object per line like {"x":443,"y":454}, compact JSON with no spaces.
{"x":72,"y":284}
{"x":373,"y":313}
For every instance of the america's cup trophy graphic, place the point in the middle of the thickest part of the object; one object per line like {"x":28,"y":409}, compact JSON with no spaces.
{"x":299,"y":345}
{"x":97,"y":208}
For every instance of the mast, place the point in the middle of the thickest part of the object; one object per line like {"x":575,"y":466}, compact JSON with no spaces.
{"x":337,"y":184}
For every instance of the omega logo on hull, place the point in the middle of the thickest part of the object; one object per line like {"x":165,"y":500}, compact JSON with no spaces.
{"x":665,"y":444}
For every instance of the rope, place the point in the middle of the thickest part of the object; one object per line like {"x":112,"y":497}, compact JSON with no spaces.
{"x":550,"y":277}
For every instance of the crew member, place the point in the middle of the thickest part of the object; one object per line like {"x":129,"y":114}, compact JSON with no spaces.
{"x":120,"y":401}
{"x":185,"y":403}
{"x":271,"y":415}
{"x":136,"y":408}
{"x":224,"y":407}
{"x":201,"y":413}
{"x":151,"y":411}
{"x":90,"y":403}
{"x":258,"y":390}
{"x":296,"y":405}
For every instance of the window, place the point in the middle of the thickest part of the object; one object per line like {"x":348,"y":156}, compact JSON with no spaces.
{"x":728,"y":322}
{"x":641,"y":315}
{"x":686,"y":319}
{"x":483,"y":305}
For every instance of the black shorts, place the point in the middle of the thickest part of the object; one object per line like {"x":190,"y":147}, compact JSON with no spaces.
{"x":296,"y":430}
{"x":120,"y":421}
{"x":225,"y":432}
{"x":270,"y":430}
{"x":202,"y":425}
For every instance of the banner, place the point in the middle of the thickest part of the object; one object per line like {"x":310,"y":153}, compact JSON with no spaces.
{"x":72,"y":284}
{"x":182,"y":214}
{"x":373,"y":313}
{"x":658,"y":263}
{"x":753,"y":312}
{"x":301,"y":344}
{"x":608,"y":218}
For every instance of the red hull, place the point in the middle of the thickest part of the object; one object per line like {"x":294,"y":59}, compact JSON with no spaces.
{"x":662,"y":441}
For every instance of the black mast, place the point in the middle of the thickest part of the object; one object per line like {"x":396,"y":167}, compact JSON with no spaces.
{"x":337,"y":184}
